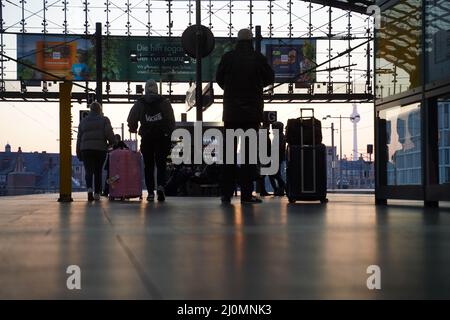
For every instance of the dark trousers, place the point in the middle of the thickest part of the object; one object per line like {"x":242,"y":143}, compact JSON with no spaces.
{"x":154,"y":152}
{"x":93,"y":164}
{"x":246,"y":173}
{"x":277,"y":181}
{"x":106,"y":186}
{"x":261,"y":185}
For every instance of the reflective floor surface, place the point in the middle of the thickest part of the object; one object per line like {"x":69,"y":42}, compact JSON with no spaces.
{"x":196,"y":248}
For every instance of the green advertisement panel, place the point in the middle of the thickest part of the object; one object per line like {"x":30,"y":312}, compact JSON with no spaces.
{"x":141,"y":58}
{"x":165,"y":58}
{"x":73,"y":57}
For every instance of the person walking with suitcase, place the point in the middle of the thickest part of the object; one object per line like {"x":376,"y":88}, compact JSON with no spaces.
{"x":157,"y":121}
{"x":95,"y":136}
{"x":242,"y":74}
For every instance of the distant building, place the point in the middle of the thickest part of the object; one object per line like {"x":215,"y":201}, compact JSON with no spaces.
{"x":330,"y":152}
{"x":33,"y":172}
{"x":20,"y":181}
{"x":356,"y":174}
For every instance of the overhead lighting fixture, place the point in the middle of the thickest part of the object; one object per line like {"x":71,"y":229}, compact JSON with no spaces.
{"x":133,"y":56}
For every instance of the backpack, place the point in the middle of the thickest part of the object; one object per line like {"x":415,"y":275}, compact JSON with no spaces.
{"x":154,"y":123}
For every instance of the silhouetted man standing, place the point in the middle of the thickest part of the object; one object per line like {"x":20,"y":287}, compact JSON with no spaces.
{"x":242,"y":74}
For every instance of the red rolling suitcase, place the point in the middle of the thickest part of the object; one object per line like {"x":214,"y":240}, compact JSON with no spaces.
{"x":125,"y":169}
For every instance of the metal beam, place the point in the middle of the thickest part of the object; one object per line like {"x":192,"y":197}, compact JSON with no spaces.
{"x":18,"y":96}
{"x":99,"y":62}
{"x":359,"y":6}
{"x":198,"y":63}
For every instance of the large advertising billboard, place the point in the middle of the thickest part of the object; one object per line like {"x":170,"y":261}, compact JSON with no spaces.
{"x":291,"y":59}
{"x":73,"y":57}
{"x":63,"y":56}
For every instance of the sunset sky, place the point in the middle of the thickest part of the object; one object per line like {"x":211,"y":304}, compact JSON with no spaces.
{"x":34,"y":126}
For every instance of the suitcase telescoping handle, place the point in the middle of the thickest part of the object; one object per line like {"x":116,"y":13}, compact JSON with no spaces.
{"x":313,"y":124}
{"x":313,"y":149}
{"x":306,"y":110}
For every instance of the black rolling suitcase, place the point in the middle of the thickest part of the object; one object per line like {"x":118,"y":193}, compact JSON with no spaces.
{"x":294,"y":134}
{"x":306,"y":170}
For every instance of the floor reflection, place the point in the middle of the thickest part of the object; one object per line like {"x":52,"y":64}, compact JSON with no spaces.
{"x":196,"y":248}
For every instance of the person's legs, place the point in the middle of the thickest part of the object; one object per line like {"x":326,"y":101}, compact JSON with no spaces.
{"x":99,"y":160}
{"x":106,"y":186}
{"x":88,"y":162}
{"x":246,"y":180}
{"x":228,"y":178}
{"x":273,"y":183}
{"x":147,"y":149}
{"x":248,"y":172}
{"x":261,"y":186}
{"x":281,"y":184}
{"x":161,"y":152}
{"x":278,"y":177}
{"x":277,"y":183}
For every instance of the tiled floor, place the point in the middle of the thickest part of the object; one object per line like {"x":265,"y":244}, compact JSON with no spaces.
{"x":195,"y":248}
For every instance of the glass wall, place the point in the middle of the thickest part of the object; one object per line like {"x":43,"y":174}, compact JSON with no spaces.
{"x":444,"y":140}
{"x":403,"y":144}
{"x":398,"y":49}
{"x":404,"y":58}
{"x":437,"y":39}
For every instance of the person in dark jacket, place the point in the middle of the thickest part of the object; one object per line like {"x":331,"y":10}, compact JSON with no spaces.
{"x":242,"y":74}
{"x":155,"y":115}
{"x":276,"y":180}
{"x":95,"y":136}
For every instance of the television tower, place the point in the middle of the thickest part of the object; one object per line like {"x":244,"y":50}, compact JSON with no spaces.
{"x":355,"y":118}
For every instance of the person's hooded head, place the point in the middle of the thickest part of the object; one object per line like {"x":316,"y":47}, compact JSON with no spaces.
{"x":245,"y":35}
{"x":95,"y":107}
{"x":244,"y":39}
{"x":151,"y":87}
